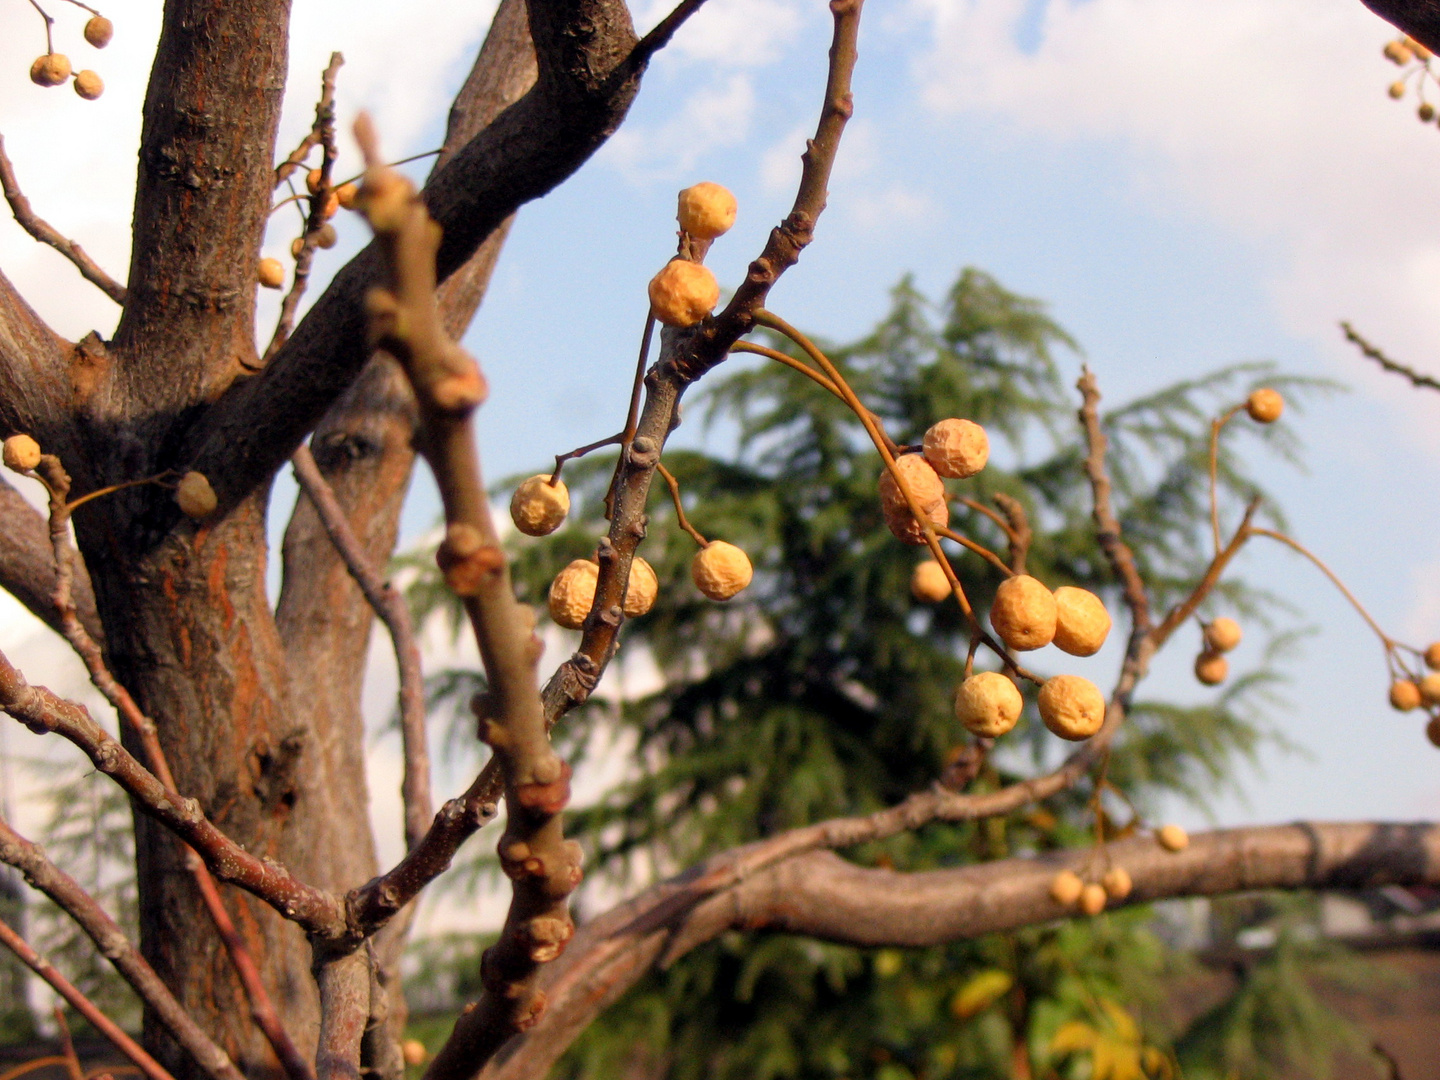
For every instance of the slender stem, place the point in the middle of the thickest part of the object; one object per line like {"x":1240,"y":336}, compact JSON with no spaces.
{"x":979,"y":549}
{"x":993,"y":515}
{"x":1183,"y":610}
{"x":81,"y":1004}
{"x":560,"y":459}
{"x":1215,"y":426}
{"x":632,"y":417}
{"x":157,"y":478}
{"x":49,"y":22}
{"x":67,"y":1046}
{"x":1296,"y":546}
{"x":352,"y":179}
{"x":788,"y":361}
{"x":1425,"y":382}
{"x":674,"y":486}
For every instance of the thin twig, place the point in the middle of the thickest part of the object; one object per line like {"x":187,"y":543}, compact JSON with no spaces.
{"x":632,"y":414}
{"x":1425,"y":382}
{"x":674,"y":486}
{"x":1215,"y":426}
{"x":49,"y":22}
{"x":297,"y":196}
{"x":788,"y":361}
{"x":979,"y":549}
{"x":43,"y":231}
{"x":660,"y":36}
{"x":390,"y":606}
{"x":581,"y":451}
{"x":67,"y":1046}
{"x":1017,"y":529}
{"x":1295,"y":545}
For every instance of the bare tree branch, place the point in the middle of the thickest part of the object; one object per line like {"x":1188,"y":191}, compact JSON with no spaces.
{"x":35,"y":390}
{"x":44,"y":232}
{"x":147,"y":1065}
{"x":1418,"y":18}
{"x":27,"y":566}
{"x":1418,"y":379}
{"x":115,"y":947}
{"x":316,"y":911}
{"x":820,"y":895}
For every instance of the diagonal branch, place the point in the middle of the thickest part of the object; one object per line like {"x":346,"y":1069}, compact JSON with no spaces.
{"x":43,"y":231}
{"x":45,"y":876}
{"x":1418,"y":18}
{"x":147,"y":1065}
{"x":316,"y":911}
{"x":27,"y":566}
{"x":36,"y":392}
{"x":1418,"y":379}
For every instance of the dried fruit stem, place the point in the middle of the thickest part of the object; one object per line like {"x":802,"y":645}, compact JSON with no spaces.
{"x":1296,"y":546}
{"x":44,"y":232}
{"x":979,"y":549}
{"x":674,"y":486}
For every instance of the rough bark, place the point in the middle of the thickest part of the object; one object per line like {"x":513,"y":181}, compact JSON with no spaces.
{"x":1418,"y":18}
{"x":820,"y":895}
{"x":35,"y":387}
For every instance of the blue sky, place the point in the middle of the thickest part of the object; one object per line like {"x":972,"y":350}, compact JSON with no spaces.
{"x":1188,"y":183}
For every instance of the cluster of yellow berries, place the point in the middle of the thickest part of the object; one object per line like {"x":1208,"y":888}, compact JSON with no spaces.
{"x":684,"y":292}
{"x":1409,"y":694}
{"x":53,"y":68}
{"x":539,"y":506}
{"x":1070,"y":890}
{"x":1403,"y":52}
{"x":271,"y":272}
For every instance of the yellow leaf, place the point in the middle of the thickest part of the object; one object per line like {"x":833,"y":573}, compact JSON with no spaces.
{"x":1073,"y":1035}
{"x":1126,"y":1030}
{"x":982,"y":990}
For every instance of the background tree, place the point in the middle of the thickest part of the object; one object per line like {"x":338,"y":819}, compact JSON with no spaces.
{"x":241,"y":732}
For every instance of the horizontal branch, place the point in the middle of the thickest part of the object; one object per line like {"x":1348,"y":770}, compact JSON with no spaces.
{"x":316,"y":911}
{"x":821,"y":895}
{"x":80,"y":906}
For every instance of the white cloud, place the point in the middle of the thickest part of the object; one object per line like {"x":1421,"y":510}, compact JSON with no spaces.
{"x":717,"y":115}
{"x":1270,"y":119}
{"x":739,"y":33}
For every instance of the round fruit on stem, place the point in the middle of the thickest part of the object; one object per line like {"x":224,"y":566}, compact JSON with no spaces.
{"x":1172,"y":837}
{"x":1066,"y":887}
{"x":721,"y":570}
{"x":1432,"y":731}
{"x":929,"y":492}
{"x":538,"y":507}
{"x":706,"y":210}
{"x":195,"y":496}
{"x":683,"y":293}
{"x":98,"y":31}
{"x":1432,"y":656}
{"x":1117,"y":883}
{"x":572,"y":593}
{"x":1430,"y":688}
{"x":89,"y":85}
{"x":988,"y":704}
{"x":1071,"y":706}
{"x":957,"y":448}
{"x":1081,"y":622}
{"x":271,"y":273}
{"x":1023,"y":613}
{"x":1211,"y":668}
{"x":1222,"y":634}
{"x":641,"y":589}
{"x":1264,"y":405}
{"x":1404,"y":695}
{"x":928,"y":582}
{"x":21,"y":453}
{"x":52,"y":69}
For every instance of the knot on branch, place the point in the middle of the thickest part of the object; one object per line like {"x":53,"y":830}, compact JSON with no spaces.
{"x":518,"y":860}
{"x":466,"y":560}
{"x":546,"y":936}
{"x":549,"y":792}
{"x":644,"y":452}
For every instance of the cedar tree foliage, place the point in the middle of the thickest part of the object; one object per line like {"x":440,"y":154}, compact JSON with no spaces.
{"x":268,"y":935}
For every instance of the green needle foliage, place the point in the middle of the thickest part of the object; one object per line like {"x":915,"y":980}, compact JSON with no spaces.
{"x":825,"y":689}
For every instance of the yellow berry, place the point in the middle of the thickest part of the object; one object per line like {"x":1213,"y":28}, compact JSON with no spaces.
{"x":1117,"y":883}
{"x":52,"y":69}
{"x":271,"y":273}
{"x":297,"y":246}
{"x":683,"y":293}
{"x":1264,"y":405}
{"x":572,"y":593}
{"x":314,"y":181}
{"x":706,"y":210}
{"x":1432,"y":656}
{"x":1211,"y":668}
{"x":414,"y":1052}
{"x":1420,"y":51}
{"x":1430,"y":688}
{"x":1404,"y":695}
{"x":1172,"y":837}
{"x":195,"y":496}
{"x":1066,"y":887}
{"x":1426,"y":112}
{"x":1081,"y":622}
{"x":89,"y":85}
{"x":538,"y":506}
{"x":1071,"y":706}
{"x":720,"y":570}
{"x":1092,"y":899}
{"x":346,"y":194}
{"x":21,"y":453}
{"x":957,"y":448}
{"x":1432,"y":730}
{"x":1222,"y":634}
{"x":99,"y":30}
{"x":1392,"y":51}
{"x":929,"y":492}
{"x":641,"y":589}
{"x":1023,"y":613}
{"x":988,"y":704}
{"x":1397,"y":89}
{"x":928,"y":583}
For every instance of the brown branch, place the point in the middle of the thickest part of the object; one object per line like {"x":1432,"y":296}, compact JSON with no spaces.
{"x":44,"y":232}
{"x":262,"y":1009}
{"x":27,"y":565}
{"x":1418,"y":18}
{"x":817,"y":894}
{"x":344,"y":982}
{"x":1017,"y":528}
{"x":315,"y":910}
{"x":1424,"y":382}
{"x":979,"y":549}
{"x":324,"y":131}
{"x":81,"y":1004}
{"x":37,"y":396}
{"x":448,"y":387}
{"x":1187,"y":607}
{"x":660,"y":36}
{"x":115,"y":947}
{"x":681,"y":519}
{"x":390,"y":606}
